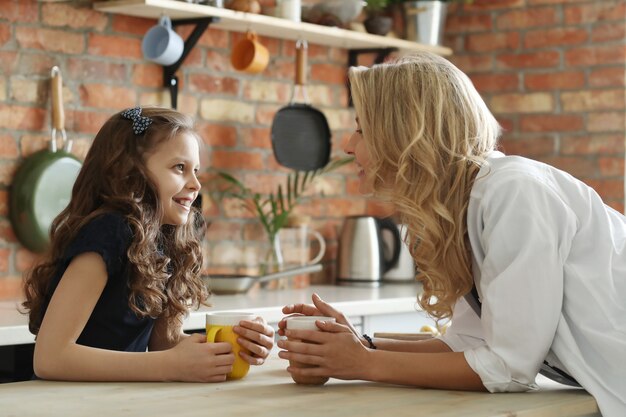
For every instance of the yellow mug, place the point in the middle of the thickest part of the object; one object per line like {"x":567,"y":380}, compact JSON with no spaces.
{"x":219,"y":328}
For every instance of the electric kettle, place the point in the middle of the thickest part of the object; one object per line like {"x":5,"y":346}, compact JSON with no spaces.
{"x":361,"y":258}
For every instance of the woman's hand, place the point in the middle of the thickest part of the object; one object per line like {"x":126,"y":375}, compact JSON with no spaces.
{"x":257,"y":337}
{"x":319,"y":308}
{"x":194,"y":360}
{"x":335,"y":351}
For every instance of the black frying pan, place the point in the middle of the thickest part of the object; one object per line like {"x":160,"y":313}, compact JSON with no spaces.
{"x":300,"y":132}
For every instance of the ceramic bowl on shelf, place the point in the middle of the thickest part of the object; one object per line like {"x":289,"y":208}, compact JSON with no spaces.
{"x":343,"y":11}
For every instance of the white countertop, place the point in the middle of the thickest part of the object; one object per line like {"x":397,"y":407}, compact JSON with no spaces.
{"x":352,"y":301}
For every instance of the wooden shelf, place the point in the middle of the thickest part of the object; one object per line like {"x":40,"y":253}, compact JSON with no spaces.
{"x":263,"y":25}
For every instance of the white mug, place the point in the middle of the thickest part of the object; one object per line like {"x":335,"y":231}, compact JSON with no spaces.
{"x":162,"y":44}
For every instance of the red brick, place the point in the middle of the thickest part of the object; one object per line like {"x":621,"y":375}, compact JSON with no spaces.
{"x":107,"y":96}
{"x":530,"y":146}
{"x":59,"y":14}
{"x":29,"y":63}
{"x":468,"y":23}
{"x":114,"y":46}
{"x":87,"y":69}
{"x":25,"y":259}
{"x":5,"y":33}
{"x":256,"y":137}
{"x":527,"y":18}
{"x":8,"y":62}
{"x":329,"y":73}
{"x":89,"y":121}
{"x":4,"y":260}
{"x":608,"y":77}
{"x":593,"y":145}
{"x":131,"y":25}
{"x":596,"y":55}
{"x":225,"y":160}
{"x":611,"y":167}
{"x":593,"y":100}
{"x":607,"y":188}
{"x":215,"y":38}
{"x":8,"y":147}
{"x":217,"y":135}
{"x":479,"y":5}
{"x":22,"y":118}
{"x":551,"y":123}
{"x":617,"y":205}
{"x":473,"y":63}
{"x":541,"y":59}
{"x":265,"y":114}
{"x":487,"y":42}
{"x":30,"y":143}
{"x":148,"y":75}
{"x":522,"y":103}
{"x":608,"y":32}
{"x":495,"y":82}
{"x":542,"y":2}
{"x":580,"y":167}
{"x":219,"y":61}
{"x":19,"y":10}
{"x":11,"y":288}
{"x":6,"y":232}
{"x":607,"y":122}
{"x":567,"y":80}
{"x":597,"y":11}
{"x":213,"y":84}
{"x":50,"y":40}
{"x":554,"y":37}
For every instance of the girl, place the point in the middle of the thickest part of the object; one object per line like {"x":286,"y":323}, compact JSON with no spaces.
{"x":125,"y":261}
{"x":536,"y":247}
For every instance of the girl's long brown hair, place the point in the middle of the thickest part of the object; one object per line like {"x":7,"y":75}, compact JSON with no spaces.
{"x":428,"y":132}
{"x":114,"y":178}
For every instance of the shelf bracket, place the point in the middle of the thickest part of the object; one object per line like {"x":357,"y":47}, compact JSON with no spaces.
{"x":353,"y":60}
{"x":170,"y":80}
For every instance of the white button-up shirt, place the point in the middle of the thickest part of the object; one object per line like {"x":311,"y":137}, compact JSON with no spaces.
{"x":549,"y":263}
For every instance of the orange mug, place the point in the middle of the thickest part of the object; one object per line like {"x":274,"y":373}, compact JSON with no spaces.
{"x":249,"y":55}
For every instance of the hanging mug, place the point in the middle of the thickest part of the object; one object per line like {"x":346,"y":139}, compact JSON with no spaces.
{"x":249,"y":55}
{"x":162,"y":44}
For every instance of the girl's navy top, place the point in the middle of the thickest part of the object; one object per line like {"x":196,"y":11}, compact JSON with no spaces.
{"x":112,"y":324}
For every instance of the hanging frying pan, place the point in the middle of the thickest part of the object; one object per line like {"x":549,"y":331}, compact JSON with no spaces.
{"x":42,"y":186}
{"x":300,"y":133}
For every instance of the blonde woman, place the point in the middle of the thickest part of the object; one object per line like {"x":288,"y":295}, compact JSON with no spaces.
{"x":526,"y":261}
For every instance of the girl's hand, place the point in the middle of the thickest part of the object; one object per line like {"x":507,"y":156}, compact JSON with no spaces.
{"x":194,"y":360}
{"x":334,"y":352}
{"x":320,"y":308}
{"x":257,"y":337}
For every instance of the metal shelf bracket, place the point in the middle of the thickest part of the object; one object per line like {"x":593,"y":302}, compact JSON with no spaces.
{"x":170,"y":80}
{"x":353,"y":60}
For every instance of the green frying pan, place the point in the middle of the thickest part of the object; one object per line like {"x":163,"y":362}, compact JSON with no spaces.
{"x":42,"y":186}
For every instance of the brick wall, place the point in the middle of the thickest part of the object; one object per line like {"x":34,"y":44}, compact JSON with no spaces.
{"x":552,"y":71}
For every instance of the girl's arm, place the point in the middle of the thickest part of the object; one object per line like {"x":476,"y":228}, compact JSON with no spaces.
{"x":159,"y":339}
{"x":58,"y":356}
{"x":336,"y":352}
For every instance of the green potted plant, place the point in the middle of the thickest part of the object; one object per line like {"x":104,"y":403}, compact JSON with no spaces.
{"x":273,"y":209}
{"x":377,"y":22}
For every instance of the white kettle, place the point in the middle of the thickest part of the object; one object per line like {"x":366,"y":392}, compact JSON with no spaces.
{"x":404,"y":269}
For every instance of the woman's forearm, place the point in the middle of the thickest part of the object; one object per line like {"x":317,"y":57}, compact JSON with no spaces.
{"x":448,"y":370}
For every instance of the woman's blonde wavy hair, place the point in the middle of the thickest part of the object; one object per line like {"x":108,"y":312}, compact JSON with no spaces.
{"x":165,"y":260}
{"x":428,"y":132}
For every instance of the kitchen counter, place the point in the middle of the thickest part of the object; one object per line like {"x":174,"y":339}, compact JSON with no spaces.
{"x":268,"y":391}
{"x":352,"y":301}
